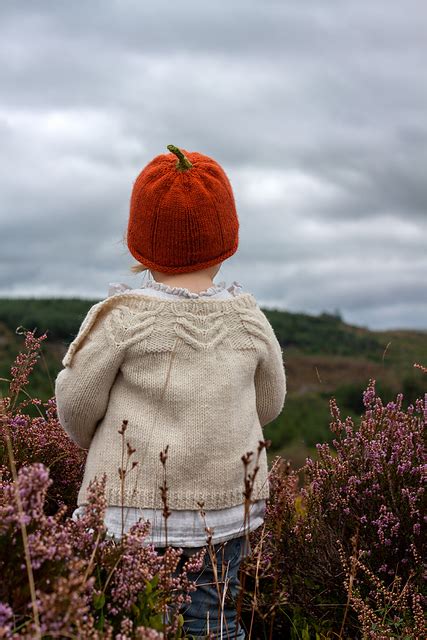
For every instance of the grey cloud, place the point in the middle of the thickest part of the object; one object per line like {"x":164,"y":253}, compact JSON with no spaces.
{"x":335,"y":94}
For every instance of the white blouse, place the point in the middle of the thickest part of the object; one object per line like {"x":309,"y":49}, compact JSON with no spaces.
{"x":185,"y":528}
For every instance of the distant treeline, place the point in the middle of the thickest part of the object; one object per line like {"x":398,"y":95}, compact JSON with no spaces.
{"x":60,"y":317}
{"x":325,"y":333}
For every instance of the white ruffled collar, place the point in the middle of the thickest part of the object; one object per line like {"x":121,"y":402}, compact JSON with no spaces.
{"x":120,"y":287}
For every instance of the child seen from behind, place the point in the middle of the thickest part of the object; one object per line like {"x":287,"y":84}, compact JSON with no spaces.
{"x":196,"y":371}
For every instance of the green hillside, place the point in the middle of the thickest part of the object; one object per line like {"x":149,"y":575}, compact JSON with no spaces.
{"x":323,"y":356}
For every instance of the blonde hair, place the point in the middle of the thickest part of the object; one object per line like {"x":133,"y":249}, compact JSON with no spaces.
{"x":138,"y":268}
{"x":135,"y":268}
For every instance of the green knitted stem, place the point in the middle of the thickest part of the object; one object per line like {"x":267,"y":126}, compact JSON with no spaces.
{"x":183,"y":162}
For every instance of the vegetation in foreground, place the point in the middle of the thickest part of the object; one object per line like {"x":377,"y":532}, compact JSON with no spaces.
{"x":341,"y":557}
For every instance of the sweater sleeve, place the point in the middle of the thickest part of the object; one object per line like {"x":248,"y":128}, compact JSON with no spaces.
{"x":270,"y":377}
{"x":91,"y":365}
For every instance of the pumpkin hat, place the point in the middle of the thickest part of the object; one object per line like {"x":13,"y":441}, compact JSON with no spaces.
{"x":182,"y":213}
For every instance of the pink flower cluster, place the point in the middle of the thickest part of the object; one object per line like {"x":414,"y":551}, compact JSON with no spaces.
{"x":362,"y":502}
{"x":374,"y":480}
{"x":40,"y":438}
{"x":86,"y":583}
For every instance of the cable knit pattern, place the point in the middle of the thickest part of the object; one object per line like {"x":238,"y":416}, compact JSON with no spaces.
{"x":173,"y":369}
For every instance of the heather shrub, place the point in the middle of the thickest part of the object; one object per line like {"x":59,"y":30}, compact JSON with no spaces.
{"x":40,"y":438}
{"x":66,"y":578}
{"x":345,"y":554}
{"x":341,"y":557}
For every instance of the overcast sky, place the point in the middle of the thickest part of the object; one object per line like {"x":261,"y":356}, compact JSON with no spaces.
{"x":316,"y":111}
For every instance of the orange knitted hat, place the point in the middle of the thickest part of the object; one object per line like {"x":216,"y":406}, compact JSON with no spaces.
{"x":182,"y":213}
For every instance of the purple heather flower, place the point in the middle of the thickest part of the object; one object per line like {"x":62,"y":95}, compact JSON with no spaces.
{"x":6,"y":614}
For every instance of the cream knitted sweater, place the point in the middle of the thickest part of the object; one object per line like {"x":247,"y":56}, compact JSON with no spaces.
{"x":173,"y":370}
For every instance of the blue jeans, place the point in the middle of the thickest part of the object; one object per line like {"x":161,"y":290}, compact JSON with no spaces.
{"x":206,"y":613}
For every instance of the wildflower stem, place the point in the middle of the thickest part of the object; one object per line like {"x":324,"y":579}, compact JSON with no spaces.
{"x":351,"y":580}
{"x":254,"y":600}
{"x":27,"y":394}
{"x":122,"y":486}
{"x":89,"y":566}
{"x":122,"y":473}
{"x":110,"y":575}
{"x":48,"y":372}
{"x":164,"y":492}
{"x":24,"y":537}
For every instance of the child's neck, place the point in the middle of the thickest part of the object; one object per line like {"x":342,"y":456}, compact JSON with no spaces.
{"x":194,"y":284}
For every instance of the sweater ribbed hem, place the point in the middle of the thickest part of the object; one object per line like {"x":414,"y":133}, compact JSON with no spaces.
{"x":177,"y":500}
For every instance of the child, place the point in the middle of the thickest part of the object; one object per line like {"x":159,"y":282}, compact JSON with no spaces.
{"x":195,"y":369}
